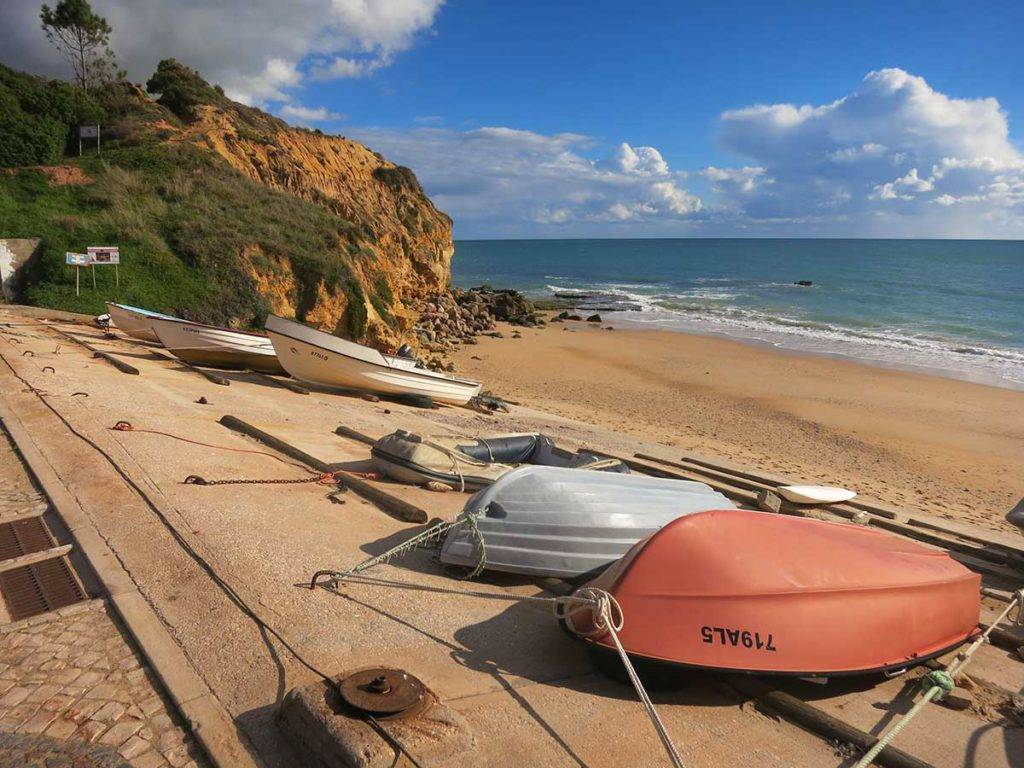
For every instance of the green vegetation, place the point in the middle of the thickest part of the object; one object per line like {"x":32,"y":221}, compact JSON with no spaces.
{"x":182,"y":89}
{"x":182,"y":217}
{"x":36,"y":117}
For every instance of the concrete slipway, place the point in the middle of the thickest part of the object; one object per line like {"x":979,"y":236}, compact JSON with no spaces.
{"x":219,"y":569}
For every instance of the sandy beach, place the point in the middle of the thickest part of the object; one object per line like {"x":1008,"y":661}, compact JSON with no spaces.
{"x":943,"y":446}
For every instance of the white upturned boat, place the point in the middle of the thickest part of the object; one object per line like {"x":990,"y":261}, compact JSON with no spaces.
{"x":135,"y":321}
{"x":815,"y":494}
{"x":556,"y":521}
{"x":211,"y":345}
{"x":320,"y":358}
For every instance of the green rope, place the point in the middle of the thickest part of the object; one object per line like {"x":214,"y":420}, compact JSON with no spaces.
{"x":434,"y":532}
{"x":941,"y":679}
{"x":937,"y":683}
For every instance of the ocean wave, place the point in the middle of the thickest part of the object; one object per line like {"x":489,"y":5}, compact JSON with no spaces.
{"x":885,"y":345}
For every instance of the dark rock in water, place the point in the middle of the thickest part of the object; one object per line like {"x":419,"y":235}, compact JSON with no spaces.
{"x":594,"y":319}
{"x":563,"y":315}
{"x":609,"y":328}
{"x":574,"y":317}
{"x":575,"y":295}
{"x":804,"y":283}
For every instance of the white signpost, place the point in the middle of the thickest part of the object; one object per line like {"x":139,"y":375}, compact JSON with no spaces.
{"x":104,"y":254}
{"x":77,"y":260}
{"x":88,"y":132}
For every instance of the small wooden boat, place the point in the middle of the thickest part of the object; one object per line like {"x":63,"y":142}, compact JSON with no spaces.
{"x":755,"y":592}
{"x":320,"y":358}
{"x":554,"y":521}
{"x":815,"y":494}
{"x":472,"y":463}
{"x":135,"y":321}
{"x":217,"y":347}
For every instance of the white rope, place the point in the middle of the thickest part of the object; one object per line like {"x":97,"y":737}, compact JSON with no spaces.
{"x":948,"y":679}
{"x":607,"y":617}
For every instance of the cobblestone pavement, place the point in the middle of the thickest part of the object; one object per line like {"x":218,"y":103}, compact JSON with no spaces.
{"x":74,"y":676}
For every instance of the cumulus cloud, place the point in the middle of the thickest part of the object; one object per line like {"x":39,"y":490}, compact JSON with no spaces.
{"x":891,"y":158}
{"x":256,"y":49}
{"x":502,"y":181}
{"x":306,"y":115}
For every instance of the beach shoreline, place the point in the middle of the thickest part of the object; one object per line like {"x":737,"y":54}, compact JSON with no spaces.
{"x":928,"y":442}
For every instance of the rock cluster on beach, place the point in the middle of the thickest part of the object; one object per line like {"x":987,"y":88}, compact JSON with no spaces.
{"x":458,"y":316}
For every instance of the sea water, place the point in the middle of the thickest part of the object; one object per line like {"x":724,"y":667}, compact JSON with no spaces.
{"x":954,"y":307}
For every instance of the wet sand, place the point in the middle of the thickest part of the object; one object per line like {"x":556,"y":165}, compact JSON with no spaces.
{"x":943,"y":446}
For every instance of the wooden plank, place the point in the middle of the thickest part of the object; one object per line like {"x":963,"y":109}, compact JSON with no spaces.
{"x":121,"y":365}
{"x":285,"y":383}
{"x":352,"y":434}
{"x":208,"y":375}
{"x":742,"y":495}
{"x":819,"y":722}
{"x":386,"y":501}
{"x":888,"y":518}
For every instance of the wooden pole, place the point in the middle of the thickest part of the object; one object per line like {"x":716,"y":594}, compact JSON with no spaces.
{"x":117,"y":276}
{"x":94,"y":277}
{"x":78,"y":291}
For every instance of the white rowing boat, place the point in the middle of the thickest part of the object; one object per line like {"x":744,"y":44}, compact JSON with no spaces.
{"x":320,"y":358}
{"x":815,"y":494}
{"x":556,"y":521}
{"x":135,"y":321}
{"x":217,"y":347}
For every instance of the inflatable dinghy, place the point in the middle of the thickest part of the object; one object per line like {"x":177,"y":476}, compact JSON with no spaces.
{"x":552,"y":521}
{"x":471,"y":463}
{"x":750,"y":591}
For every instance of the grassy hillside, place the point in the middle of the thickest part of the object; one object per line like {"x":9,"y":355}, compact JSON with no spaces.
{"x":197,"y":237}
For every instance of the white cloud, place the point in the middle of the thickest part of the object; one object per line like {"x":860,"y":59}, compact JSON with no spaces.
{"x":304,"y":115}
{"x":507,"y":181}
{"x":643,"y":161}
{"x":256,"y":49}
{"x":891,"y":158}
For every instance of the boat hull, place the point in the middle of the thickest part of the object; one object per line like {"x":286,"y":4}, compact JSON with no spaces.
{"x":751,"y":592}
{"x":131,"y":322}
{"x":312,"y":356}
{"x":217,"y":347}
{"x":568,"y":523}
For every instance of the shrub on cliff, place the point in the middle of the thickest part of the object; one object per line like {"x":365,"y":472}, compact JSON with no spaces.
{"x":36,"y":117}
{"x":181,"y":89}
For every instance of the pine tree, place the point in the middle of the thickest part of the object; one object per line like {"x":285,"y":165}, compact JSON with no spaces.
{"x":82,"y":36}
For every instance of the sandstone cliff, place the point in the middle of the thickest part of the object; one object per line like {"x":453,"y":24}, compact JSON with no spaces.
{"x":404,"y":244}
{"x":224,"y":213}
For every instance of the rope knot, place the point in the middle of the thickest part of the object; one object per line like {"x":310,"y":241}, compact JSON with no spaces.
{"x":938,"y":678}
{"x":124,"y":426}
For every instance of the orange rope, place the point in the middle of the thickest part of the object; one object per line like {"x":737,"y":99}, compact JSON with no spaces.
{"x":126,"y":426}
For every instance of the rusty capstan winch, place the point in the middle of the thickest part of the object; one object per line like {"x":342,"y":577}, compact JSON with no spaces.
{"x":384,"y":694}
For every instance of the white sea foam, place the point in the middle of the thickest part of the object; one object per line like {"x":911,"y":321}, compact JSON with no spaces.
{"x":702,"y":310}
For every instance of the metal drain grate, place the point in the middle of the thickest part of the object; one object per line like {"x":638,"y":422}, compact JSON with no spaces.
{"x":38,"y":588}
{"x":23,"y":537}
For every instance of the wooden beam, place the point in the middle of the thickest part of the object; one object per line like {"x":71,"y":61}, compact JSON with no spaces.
{"x":208,"y":375}
{"x":352,"y":434}
{"x":388,"y":502}
{"x":285,"y":383}
{"x":121,"y":365}
{"x":887,"y":519}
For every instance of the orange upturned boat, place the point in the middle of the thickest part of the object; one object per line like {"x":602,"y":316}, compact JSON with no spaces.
{"x":746,"y":591}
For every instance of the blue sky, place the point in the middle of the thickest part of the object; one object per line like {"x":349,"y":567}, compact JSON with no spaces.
{"x":568,"y":119}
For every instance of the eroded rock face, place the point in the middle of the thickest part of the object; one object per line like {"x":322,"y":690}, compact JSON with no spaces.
{"x":403,"y":243}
